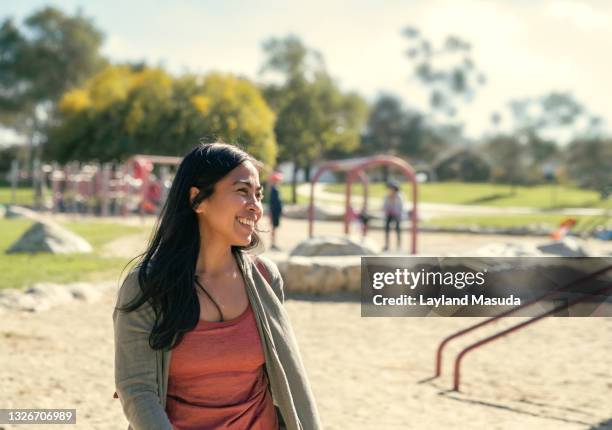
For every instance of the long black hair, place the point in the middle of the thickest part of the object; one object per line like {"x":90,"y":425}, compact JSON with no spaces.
{"x":166,"y":270}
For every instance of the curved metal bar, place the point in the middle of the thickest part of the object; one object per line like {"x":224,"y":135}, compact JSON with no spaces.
{"x":461,"y":355}
{"x":508,"y":312}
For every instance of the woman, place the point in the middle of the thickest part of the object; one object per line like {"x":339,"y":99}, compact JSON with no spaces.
{"x":201,"y":337}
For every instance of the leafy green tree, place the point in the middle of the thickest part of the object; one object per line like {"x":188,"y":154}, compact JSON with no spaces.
{"x":125,"y":110}
{"x":386,"y":126}
{"x":448,"y":72}
{"x":544,"y":124}
{"x":589,"y":163}
{"x":314,"y":118}
{"x":52,"y":53}
{"x":508,"y":159}
{"x":463,"y":165}
{"x":555,"y":112}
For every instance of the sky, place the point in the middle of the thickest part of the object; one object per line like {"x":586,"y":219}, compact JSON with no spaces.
{"x":525,"y":48}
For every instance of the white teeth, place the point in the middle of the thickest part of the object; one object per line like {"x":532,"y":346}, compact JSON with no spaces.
{"x":246,"y":221}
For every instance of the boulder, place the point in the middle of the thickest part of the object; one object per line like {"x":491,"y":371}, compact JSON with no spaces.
{"x":13,"y":211}
{"x":47,"y":236}
{"x":334,"y":246}
{"x":503,"y":250}
{"x":566,"y":247}
{"x":321,"y":275}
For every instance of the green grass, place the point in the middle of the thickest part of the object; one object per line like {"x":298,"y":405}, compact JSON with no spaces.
{"x":23,"y":196}
{"x":285,"y":192}
{"x":485,"y":194}
{"x":520,"y":220}
{"x":23,"y":270}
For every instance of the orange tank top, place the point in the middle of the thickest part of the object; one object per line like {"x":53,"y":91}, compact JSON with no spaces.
{"x":217,"y":380}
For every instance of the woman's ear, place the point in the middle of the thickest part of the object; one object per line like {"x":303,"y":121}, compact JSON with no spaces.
{"x":193,"y":192}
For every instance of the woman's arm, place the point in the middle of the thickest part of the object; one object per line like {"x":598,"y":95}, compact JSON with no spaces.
{"x":136,"y":362}
{"x":273,"y":277}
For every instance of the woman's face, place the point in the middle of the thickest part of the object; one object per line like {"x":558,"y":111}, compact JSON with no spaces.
{"x":232,"y":211}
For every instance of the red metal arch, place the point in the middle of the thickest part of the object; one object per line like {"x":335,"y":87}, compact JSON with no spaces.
{"x":354,"y":168}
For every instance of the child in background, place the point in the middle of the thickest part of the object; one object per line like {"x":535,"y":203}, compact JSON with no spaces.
{"x":393,"y":208}
{"x":276,"y":206}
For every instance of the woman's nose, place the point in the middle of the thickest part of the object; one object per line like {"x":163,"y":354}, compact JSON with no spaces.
{"x":254,"y":204}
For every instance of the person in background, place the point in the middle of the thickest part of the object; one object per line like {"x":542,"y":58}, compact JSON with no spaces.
{"x":276,"y":206}
{"x":393,"y":208}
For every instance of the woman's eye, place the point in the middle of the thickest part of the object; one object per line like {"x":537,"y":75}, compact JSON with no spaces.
{"x":259,"y":196}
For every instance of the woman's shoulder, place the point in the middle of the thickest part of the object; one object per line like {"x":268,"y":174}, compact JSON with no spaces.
{"x":268,"y":269}
{"x":269,"y":265}
{"x":130,"y":288}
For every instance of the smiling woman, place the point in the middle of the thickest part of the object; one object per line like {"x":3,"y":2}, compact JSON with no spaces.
{"x":201,"y":337}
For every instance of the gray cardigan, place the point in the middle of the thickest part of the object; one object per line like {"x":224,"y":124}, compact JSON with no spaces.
{"x":141,"y":373}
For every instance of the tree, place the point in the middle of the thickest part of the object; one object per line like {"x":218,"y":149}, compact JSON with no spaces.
{"x":463,"y":165}
{"x":555,"y":115}
{"x":448,"y":72}
{"x":508,"y":159}
{"x":386,"y":126}
{"x":544,"y":124}
{"x":125,"y":109}
{"x":53,"y":53}
{"x":589,"y":163}
{"x":314,"y":117}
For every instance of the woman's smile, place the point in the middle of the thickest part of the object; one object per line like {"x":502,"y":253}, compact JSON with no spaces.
{"x":247,"y":223}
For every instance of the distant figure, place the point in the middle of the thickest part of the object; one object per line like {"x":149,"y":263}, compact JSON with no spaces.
{"x":564,"y":228}
{"x":276,"y":206}
{"x":393,"y":208}
{"x":364,"y":218}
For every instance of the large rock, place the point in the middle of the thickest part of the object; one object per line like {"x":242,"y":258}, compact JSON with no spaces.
{"x":46,"y":236}
{"x":567,"y":247}
{"x":321,"y":275}
{"x":502,"y":250}
{"x":334,"y":246}
{"x":14,"y":211}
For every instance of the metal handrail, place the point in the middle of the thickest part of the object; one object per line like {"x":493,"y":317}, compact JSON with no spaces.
{"x":457,"y":373}
{"x":508,"y":312}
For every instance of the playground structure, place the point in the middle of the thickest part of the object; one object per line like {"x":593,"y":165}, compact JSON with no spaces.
{"x":106,"y":188}
{"x":516,"y":327}
{"x":355,"y":168}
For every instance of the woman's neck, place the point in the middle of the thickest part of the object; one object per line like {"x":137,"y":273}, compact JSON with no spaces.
{"x":214,"y":260}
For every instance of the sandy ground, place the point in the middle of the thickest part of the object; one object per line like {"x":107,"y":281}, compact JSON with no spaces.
{"x":367,"y":373}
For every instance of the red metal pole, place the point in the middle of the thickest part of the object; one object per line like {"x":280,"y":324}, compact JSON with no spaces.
{"x":311,"y":208}
{"x":414,"y":215}
{"x":510,"y":311}
{"x":457,"y":374}
{"x":347,"y":203}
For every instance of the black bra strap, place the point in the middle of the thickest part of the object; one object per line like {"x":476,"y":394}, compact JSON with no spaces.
{"x":210,"y":297}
